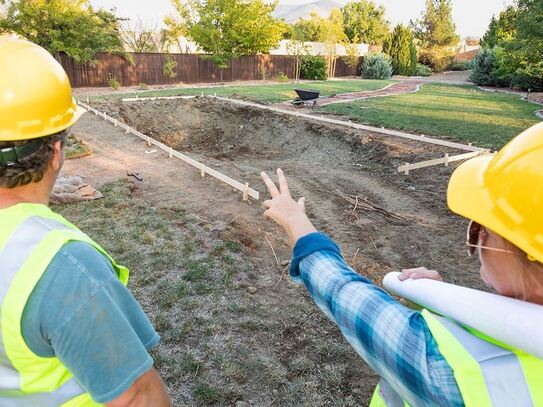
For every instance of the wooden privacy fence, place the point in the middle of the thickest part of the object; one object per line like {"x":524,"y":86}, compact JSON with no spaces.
{"x":190,"y":68}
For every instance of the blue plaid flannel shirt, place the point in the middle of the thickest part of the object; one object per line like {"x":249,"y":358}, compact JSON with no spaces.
{"x":393,"y":339}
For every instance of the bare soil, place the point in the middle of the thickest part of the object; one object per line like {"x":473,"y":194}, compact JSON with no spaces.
{"x":404,"y":222}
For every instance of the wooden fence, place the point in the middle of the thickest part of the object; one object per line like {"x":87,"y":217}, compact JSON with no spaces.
{"x":191,"y":68}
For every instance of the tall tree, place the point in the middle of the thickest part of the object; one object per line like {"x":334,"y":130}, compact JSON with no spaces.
{"x":502,"y":28}
{"x":436,"y":28}
{"x":401,"y":49}
{"x":138,"y":38}
{"x":332,"y":34}
{"x":70,"y":26}
{"x":436,"y":32}
{"x":364,"y":21}
{"x":231,"y":28}
{"x":308,"y":29}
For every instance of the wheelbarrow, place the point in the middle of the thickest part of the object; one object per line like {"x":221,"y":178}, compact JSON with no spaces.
{"x":306,"y":98}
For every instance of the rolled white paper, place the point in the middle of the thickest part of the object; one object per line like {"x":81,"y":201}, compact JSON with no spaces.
{"x":513,"y":322}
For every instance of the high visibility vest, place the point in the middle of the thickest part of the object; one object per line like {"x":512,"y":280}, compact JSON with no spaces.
{"x":487,"y":373}
{"x":30,"y":237}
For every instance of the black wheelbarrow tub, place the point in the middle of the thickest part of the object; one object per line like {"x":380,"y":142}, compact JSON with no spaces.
{"x":304,"y":94}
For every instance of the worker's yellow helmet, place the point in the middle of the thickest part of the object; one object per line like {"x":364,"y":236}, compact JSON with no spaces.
{"x":505,"y":192}
{"x":35,"y":93}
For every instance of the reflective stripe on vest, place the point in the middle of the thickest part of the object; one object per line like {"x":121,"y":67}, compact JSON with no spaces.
{"x":486,"y":374}
{"x":13,"y":256}
{"x":501,"y":368}
{"x":30,"y":236}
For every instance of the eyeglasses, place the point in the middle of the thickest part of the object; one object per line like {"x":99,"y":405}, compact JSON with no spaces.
{"x":472,"y":240}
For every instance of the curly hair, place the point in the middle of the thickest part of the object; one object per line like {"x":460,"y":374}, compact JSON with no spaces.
{"x":32,"y":168}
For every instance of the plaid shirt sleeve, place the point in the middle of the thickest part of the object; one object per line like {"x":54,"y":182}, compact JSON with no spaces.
{"x":393,"y":339}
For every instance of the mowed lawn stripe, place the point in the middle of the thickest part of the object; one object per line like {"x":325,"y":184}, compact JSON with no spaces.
{"x":462,"y":113}
{"x":273,"y":93}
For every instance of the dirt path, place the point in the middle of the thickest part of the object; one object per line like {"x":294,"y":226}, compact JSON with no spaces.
{"x":323,"y":163}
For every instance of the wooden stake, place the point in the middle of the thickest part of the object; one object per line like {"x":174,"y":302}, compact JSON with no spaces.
{"x":246,"y":192}
{"x":446,"y":159}
{"x":127,"y":129}
{"x":171,"y":152}
{"x":115,"y":123}
{"x":406,"y":168}
{"x":203,"y":170}
{"x":149,"y":141}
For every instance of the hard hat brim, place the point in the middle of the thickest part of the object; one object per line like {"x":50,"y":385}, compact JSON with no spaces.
{"x":468,"y":196}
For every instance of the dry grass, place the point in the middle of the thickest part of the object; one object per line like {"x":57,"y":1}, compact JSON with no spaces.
{"x":220,"y":344}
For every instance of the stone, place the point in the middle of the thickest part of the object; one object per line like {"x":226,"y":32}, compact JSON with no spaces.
{"x":252,"y":290}
{"x":242,"y":404}
{"x":285,"y":263}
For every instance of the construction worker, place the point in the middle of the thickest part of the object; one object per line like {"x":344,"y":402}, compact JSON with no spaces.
{"x":424,"y":359}
{"x":71,"y":334}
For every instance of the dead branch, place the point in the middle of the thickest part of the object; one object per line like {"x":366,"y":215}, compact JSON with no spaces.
{"x":364,"y":205}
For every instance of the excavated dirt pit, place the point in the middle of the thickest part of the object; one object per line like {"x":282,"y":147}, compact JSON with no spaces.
{"x":382,"y":220}
{"x":406,"y":221}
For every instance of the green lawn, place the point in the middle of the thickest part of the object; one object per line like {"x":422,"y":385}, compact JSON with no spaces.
{"x":266,"y":93}
{"x":463,"y":113}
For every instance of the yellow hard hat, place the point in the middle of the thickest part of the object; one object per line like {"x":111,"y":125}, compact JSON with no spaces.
{"x":35,"y":93}
{"x":505,"y":192}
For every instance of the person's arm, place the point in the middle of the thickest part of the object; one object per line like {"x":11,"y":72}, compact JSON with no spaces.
{"x":147,"y":391}
{"x":394,"y":340}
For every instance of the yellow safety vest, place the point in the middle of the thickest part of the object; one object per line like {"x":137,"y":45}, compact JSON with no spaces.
{"x":488,"y":373}
{"x":30,"y":237}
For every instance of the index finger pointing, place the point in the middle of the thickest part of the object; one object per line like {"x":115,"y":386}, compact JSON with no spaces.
{"x":270,"y":185}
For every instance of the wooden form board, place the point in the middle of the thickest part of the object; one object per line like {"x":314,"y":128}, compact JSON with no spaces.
{"x":388,"y":132}
{"x":137,"y":99}
{"x":443,"y":160}
{"x":174,"y":153}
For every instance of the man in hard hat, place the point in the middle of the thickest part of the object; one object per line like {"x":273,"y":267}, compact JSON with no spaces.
{"x":71,"y":334}
{"x":424,"y":359}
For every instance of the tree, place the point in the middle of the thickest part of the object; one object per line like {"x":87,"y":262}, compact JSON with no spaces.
{"x":176,"y":26}
{"x":138,"y":38}
{"x":331,"y":35}
{"x":308,"y":29}
{"x":501,"y":29}
{"x":436,"y":32}
{"x":70,"y":26}
{"x":401,"y":49}
{"x":436,"y":28}
{"x":231,"y":28}
{"x":364,"y":21}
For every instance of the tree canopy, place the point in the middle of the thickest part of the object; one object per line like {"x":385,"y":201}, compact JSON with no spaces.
{"x":401,"y":48}
{"x":502,"y":28}
{"x":436,"y":27}
{"x":364,"y":21}
{"x":230,"y":28}
{"x":70,"y":26}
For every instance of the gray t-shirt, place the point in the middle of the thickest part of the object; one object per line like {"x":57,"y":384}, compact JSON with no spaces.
{"x":82,"y":314}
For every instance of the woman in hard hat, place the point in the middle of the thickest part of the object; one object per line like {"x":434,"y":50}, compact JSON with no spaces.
{"x":424,"y":359}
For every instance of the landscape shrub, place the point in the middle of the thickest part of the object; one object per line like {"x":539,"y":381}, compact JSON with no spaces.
{"x":282,"y":77}
{"x":113,"y":82}
{"x":437,"y":58}
{"x":483,"y":67}
{"x":377,"y":66}
{"x":143,"y":86}
{"x":460,"y":66}
{"x":170,"y":67}
{"x":314,"y":67}
{"x":422,"y":70}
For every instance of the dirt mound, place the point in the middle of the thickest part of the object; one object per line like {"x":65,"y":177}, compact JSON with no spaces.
{"x":228,"y":132}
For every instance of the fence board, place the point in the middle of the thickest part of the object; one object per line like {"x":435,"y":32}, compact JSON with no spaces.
{"x":191,"y":68}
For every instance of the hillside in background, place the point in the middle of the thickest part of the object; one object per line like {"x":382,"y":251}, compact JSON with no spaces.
{"x":293,"y":12}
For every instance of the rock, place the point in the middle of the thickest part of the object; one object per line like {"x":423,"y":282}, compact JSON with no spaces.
{"x":285,"y":263}
{"x":252,"y":290}
{"x":411,"y":188}
{"x":242,"y":404}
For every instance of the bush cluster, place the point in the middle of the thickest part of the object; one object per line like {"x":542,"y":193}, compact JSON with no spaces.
{"x":314,"y":67}
{"x":422,"y":70}
{"x":377,"y":66}
{"x":460,"y":66}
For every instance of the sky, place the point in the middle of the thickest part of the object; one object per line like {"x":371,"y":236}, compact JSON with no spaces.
{"x":471,"y":16}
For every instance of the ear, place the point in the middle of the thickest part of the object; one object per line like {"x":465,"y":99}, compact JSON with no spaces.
{"x":58,"y":156}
